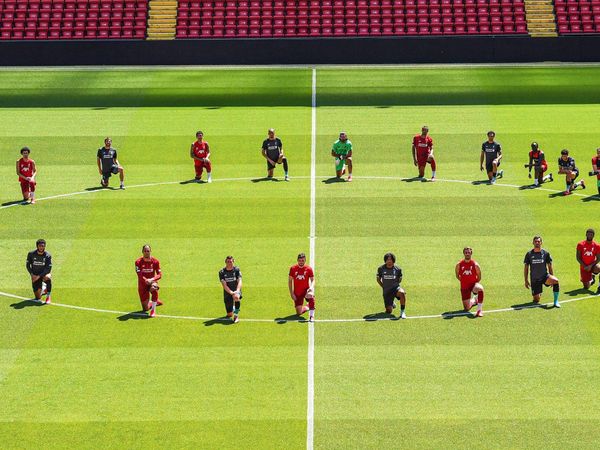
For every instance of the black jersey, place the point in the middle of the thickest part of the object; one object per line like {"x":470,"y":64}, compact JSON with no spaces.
{"x":38,"y":264}
{"x":107,"y":158}
{"x":569,"y":164}
{"x":273,"y":148}
{"x":538,"y":261}
{"x":390,"y":277}
{"x":230,"y":277}
{"x":492,"y":150}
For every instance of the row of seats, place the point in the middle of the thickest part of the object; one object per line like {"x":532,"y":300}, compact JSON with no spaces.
{"x":577,"y":16}
{"x":73,"y":19}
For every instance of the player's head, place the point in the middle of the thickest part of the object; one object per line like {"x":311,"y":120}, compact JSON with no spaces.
{"x":271,"y":133}
{"x":491,"y":134}
{"x":564,"y":154}
{"x":534,"y":146}
{"x":537,"y":242}
{"x":424,"y":130}
{"x":301,"y":259}
{"x":389,"y":257}
{"x":41,"y":245}
{"x":467,"y":252}
{"x":107,"y":142}
{"x":343,"y":136}
{"x":598,"y":151}
{"x":25,"y":151}
{"x":229,"y":261}
{"x":589,"y":234}
{"x":146,"y":250}
{"x":199,"y":134}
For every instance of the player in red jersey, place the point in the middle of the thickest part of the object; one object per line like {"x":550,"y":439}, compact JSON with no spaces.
{"x":468,"y":273}
{"x":537,"y":161}
{"x":200,"y":153}
{"x":596,"y":168}
{"x":422,"y":151}
{"x":588,"y":256}
{"x":148,"y":271}
{"x":301,"y":283}
{"x":27,"y":171}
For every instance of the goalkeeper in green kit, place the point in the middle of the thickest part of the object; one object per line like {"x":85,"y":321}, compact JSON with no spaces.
{"x":342,"y":152}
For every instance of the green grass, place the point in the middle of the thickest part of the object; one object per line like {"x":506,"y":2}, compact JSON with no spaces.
{"x":516,"y":379}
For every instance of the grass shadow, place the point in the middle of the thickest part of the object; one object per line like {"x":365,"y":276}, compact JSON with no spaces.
{"x":99,"y":188}
{"x":591,"y":198}
{"x":134,"y":315}
{"x":581,"y":290}
{"x":480,"y":182}
{"x":449,"y":315}
{"x":556,"y":194}
{"x":290,"y":318}
{"x":530,"y":305}
{"x":15,"y":202}
{"x":27,"y":304}
{"x":379,"y":316}
{"x":260,"y":180}
{"x":218,"y":321}
{"x":413,"y":179}
{"x":333,"y":180}
{"x":527,"y":186}
{"x":192,"y":181}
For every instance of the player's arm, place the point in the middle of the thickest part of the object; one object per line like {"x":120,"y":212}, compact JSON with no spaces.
{"x":561,"y":169}
{"x":239,"y":283}
{"x":311,"y":283}
{"x":414,"y":152}
{"x":280,"y":147}
{"x":226,"y":288}
{"x":291,"y":287}
{"x":47,"y":267}
{"x":19,"y":174}
{"x":550,"y":268}
{"x":526,"y":275}
{"x":530,"y":164}
{"x":99,"y":161}
{"x":456,"y":271}
{"x":478,"y":272}
{"x":34,"y":171}
{"x":138,"y":271}
{"x":157,"y":271}
{"x":29,"y":265}
{"x":207,"y":157}
{"x":481,"y":159}
{"x":579,"y":258}
{"x":499,"y":157}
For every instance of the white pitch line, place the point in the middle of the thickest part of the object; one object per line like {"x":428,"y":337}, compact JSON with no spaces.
{"x":310,"y":391}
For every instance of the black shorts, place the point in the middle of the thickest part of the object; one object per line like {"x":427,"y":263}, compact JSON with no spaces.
{"x":576,"y":172}
{"x":228,"y":300}
{"x":272,"y":158}
{"x":490,"y":167}
{"x":537,"y":286}
{"x":37,"y":285}
{"x":114,"y":169}
{"x":390,"y":296}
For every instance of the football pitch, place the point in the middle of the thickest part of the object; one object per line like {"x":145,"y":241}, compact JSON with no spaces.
{"x":92,"y":371}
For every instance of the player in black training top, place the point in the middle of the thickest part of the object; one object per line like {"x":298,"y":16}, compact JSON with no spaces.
{"x":108,"y":164}
{"x":39,"y":265}
{"x":231,"y":279}
{"x":389,"y":277}
{"x":272,"y":150}
{"x":492,"y":152}
{"x":542,"y":274}
{"x":566,"y":165}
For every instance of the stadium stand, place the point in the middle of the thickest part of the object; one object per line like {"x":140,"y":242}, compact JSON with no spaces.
{"x":298,"y":18}
{"x":577,"y":16}
{"x":73,"y":19}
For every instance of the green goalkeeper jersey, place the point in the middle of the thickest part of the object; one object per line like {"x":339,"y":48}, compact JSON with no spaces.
{"x":342,"y":148}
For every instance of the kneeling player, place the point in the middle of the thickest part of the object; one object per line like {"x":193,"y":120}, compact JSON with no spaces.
{"x":389,"y":277}
{"x":588,"y":256}
{"x":231,"y":280}
{"x":39,"y":265}
{"x":540,"y":262}
{"x":491,"y":152}
{"x":342,"y":152}
{"x":148,"y":271}
{"x":301,"y":283}
{"x":272,"y":151}
{"x":108,"y":164}
{"x":422,"y":152}
{"x":566,"y":165}
{"x":596,"y":168}
{"x":537,"y":161}
{"x":468,"y":273}
{"x":200,"y":153}
{"x":26,"y":171}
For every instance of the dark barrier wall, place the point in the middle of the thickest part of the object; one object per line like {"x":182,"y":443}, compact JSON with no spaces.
{"x":405,"y":50}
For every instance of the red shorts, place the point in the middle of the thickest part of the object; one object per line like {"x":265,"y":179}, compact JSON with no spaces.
{"x":27,"y":186}
{"x":144,"y":292}
{"x":300,"y":297}
{"x":200,"y":165}
{"x":586,"y":276}
{"x":467,"y":292}
{"x":422,"y":158}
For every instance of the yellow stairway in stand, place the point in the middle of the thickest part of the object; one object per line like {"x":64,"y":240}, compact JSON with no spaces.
{"x":541,"y":20}
{"x":162,"y":19}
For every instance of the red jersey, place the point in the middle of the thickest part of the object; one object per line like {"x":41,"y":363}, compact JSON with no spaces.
{"x":26,"y":168}
{"x":596,"y":163}
{"x":588,"y":251}
{"x":147,"y":269}
{"x":467,"y":273}
{"x":424,"y":145}
{"x":201,"y":149}
{"x":301,"y":276}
